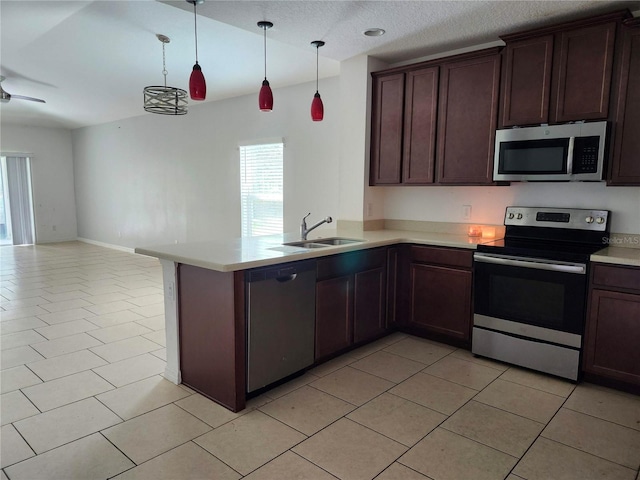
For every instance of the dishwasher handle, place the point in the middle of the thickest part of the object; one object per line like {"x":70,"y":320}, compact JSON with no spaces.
{"x":282,"y":273}
{"x":287,"y":278}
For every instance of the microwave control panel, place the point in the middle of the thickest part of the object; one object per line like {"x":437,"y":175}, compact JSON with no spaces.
{"x":585,"y":154}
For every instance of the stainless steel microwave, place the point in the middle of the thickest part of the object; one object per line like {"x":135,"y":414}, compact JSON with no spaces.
{"x":572,"y":152}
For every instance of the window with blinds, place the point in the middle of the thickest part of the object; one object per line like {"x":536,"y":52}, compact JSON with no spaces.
{"x":261,"y":189}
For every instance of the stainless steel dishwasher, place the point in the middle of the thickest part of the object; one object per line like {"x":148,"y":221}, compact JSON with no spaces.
{"x":281,"y":305}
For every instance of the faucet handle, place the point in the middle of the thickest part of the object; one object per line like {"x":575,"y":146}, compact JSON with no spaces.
{"x":305,"y":217}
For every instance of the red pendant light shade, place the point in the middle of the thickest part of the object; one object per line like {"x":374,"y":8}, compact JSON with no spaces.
{"x":197,"y":83}
{"x":317,"y":108}
{"x":265,"y":99}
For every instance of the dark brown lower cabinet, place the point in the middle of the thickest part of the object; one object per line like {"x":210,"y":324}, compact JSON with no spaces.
{"x":334,"y":315}
{"x":351,"y":294}
{"x":369,"y":317}
{"x":212,"y":334}
{"x":441,"y":300}
{"x":436,"y":296}
{"x":612,"y":336}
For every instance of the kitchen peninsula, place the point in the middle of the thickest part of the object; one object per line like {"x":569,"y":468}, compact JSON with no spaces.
{"x":204,"y":285}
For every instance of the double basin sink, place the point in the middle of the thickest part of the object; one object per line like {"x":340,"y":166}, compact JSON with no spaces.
{"x":323,"y":242}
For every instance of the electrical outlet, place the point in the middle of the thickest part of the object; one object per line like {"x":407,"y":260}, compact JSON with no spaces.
{"x":466,"y":212}
{"x":369,"y":209}
{"x":171,"y":291}
{"x":55,"y":228}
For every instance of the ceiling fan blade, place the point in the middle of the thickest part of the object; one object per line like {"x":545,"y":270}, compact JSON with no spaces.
{"x":22,"y":97}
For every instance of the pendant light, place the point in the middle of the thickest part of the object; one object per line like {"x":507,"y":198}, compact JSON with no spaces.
{"x":265,"y":99}
{"x":317,"y":108}
{"x":197,"y":83}
{"x":162,"y":99}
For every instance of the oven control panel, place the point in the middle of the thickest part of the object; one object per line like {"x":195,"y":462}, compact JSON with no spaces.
{"x":567,"y":218}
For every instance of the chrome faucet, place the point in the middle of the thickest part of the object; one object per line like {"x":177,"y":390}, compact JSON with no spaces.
{"x":304,"y":231}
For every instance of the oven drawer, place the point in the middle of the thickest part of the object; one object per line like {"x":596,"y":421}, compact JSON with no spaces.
{"x":615,"y":277}
{"x":554,"y":359}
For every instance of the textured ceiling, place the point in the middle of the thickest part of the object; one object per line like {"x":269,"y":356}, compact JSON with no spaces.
{"x":90,"y":60}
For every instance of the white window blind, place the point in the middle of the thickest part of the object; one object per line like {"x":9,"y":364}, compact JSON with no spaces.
{"x":261,"y":189}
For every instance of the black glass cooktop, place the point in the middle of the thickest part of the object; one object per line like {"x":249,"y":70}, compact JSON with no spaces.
{"x":553,"y":250}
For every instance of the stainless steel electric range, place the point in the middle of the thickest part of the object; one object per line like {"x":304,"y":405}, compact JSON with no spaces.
{"x":530,"y":288}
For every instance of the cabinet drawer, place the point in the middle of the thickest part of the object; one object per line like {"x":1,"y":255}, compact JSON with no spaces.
{"x":452,"y":257}
{"x":349,"y":263}
{"x":616,"y":277}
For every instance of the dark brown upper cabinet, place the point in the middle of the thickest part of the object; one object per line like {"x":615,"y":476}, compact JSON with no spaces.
{"x":446,"y":113}
{"x":421,"y":108}
{"x":403,"y":129}
{"x":625,"y":161}
{"x":584,"y":66}
{"x":386,"y":129}
{"x":561,"y":73}
{"x":527,"y":81}
{"x":467,"y":119}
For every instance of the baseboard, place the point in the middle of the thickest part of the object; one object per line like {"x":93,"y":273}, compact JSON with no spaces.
{"x":173,"y":376}
{"x":50,"y":242}
{"x":106,"y":245}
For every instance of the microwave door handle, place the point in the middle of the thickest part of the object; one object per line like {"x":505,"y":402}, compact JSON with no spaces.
{"x":570,"y":156}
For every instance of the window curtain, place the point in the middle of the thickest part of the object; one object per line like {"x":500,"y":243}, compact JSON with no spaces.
{"x":21,"y":209}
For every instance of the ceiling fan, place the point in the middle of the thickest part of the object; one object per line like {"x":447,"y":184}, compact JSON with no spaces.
{"x":5,"y":96}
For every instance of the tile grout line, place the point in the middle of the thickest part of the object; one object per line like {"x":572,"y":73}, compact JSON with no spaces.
{"x":541,"y":431}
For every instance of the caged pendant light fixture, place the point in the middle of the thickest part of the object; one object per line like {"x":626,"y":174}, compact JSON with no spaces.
{"x":317,"y":108}
{"x":165,"y":100}
{"x":197,"y":83}
{"x":265,"y":99}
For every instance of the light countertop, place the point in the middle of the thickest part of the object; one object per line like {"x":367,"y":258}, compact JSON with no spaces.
{"x":618,"y":255}
{"x":245,"y":253}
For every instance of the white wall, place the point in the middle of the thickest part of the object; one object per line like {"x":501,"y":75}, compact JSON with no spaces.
{"x":444,"y":204}
{"x":155,"y":179}
{"x":355,"y":88}
{"x":353,"y":136}
{"x":51,"y":177}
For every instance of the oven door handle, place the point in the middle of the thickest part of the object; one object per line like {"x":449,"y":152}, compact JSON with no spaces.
{"x":578,"y":268}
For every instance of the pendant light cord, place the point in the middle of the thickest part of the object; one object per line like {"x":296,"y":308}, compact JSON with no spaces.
{"x":195,"y":28}
{"x":265,"y":51}
{"x":164,"y":65}
{"x":317,"y":47}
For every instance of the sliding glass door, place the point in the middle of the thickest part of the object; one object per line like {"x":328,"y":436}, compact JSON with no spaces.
{"x":16,"y":205}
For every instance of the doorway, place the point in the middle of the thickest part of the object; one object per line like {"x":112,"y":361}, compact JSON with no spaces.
{"x":16,"y":205}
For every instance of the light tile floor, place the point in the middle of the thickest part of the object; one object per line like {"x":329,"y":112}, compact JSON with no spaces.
{"x":83,"y":398}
